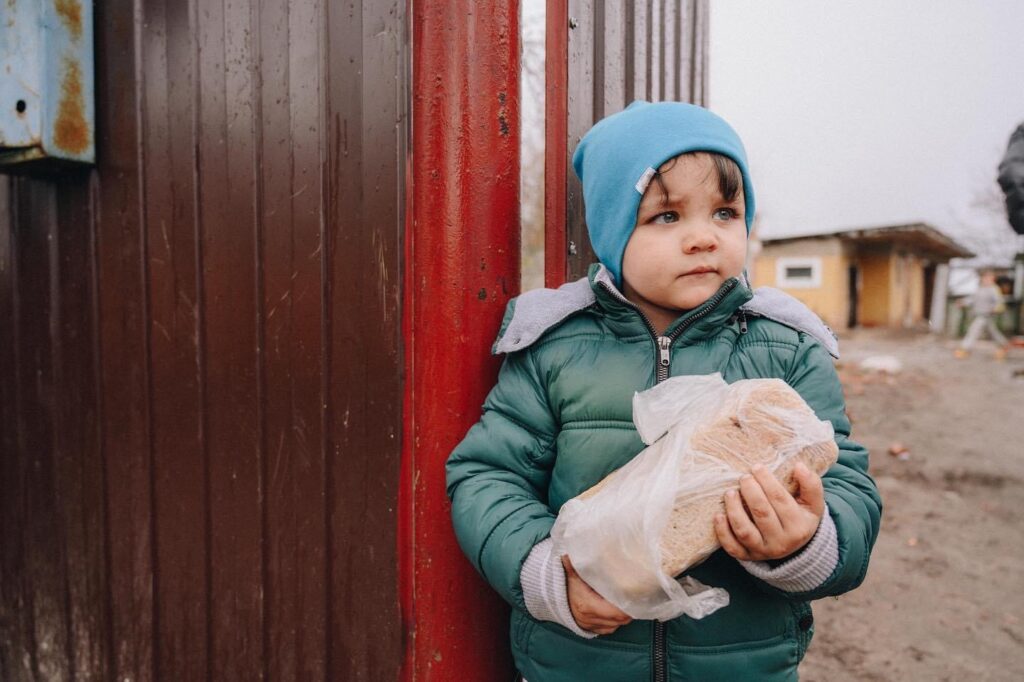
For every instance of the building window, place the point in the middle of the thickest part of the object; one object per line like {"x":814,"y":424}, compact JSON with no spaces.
{"x":798,"y":273}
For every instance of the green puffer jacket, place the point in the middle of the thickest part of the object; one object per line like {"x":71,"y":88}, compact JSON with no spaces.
{"x":560,"y":419}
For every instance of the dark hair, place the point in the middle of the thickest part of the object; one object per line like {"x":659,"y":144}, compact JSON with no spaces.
{"x":730,"y":178}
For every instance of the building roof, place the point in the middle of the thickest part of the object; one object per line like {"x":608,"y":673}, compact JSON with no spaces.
{"x":920,"y":236}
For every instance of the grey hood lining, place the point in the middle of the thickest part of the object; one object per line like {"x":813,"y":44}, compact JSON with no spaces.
{"x":539,"y":310}
{"x":779,"y":306}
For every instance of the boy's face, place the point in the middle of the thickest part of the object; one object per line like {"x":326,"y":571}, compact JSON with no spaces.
{"x":682,"y":251}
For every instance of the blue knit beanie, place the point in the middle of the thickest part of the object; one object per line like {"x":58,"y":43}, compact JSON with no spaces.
{"x":617,"y":158}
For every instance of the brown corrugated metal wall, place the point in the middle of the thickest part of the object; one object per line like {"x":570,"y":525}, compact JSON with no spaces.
{"x":200,"y":339}
{"x":619,"y":52}
{"x":200,"y":395}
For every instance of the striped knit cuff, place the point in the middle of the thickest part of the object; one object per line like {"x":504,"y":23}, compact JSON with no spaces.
{"x":543,"y":581}
{"x":810,"y":568}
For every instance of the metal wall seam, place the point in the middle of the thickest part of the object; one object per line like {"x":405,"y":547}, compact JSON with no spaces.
{"x":556,"y":71}
{"x":661,"y":55}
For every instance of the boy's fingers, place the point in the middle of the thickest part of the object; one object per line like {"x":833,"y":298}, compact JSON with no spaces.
{"x":590,"y":616}
{"x":761,"y":502}
{"x":728,"y":541}
{"x":610,"y":615}
{"x":618,"y":615}
{"x":810,"y":491}
{"x":782,"y":501}
{"x":602,"y":629}
{"x":742,"y":527}
{"x":619,"y":620}
{"x":773,"y":488}
{"x":592,"y":606}
{"x":593,"y":619}
{"x":602,"y":609}
{"x":589,"y":621}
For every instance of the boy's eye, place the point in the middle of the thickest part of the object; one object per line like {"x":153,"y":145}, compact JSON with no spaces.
{"x":726,"y":214}
{"x":666,"y":217}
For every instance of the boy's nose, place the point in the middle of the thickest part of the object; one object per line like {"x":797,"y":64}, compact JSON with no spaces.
{"x":699,"y":239}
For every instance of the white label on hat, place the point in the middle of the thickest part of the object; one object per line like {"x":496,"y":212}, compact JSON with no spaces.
{"x":645,"y":179}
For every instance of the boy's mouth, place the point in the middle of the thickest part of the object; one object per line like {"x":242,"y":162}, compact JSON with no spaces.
{"x":700,"y":270}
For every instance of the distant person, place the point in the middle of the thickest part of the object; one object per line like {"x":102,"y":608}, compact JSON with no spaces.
{"x":1011,"y":179}
{"x":986,"y":304}
{"x":669,"y":205}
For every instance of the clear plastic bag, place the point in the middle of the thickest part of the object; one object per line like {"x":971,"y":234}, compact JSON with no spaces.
{"x":694,"y":428}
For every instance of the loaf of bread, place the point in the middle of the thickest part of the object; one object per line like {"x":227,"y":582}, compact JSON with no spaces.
{"x":751,"y":427}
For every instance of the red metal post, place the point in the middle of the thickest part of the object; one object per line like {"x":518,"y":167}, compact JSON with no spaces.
{"x":556,"y":121}
{"x":462,"y":266}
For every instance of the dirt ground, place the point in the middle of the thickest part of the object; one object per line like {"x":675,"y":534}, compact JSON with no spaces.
{"x":943,"y":596}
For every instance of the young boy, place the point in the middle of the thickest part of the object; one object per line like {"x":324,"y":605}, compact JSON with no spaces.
{"x":986,"y":303}
{"x":669,"y":205}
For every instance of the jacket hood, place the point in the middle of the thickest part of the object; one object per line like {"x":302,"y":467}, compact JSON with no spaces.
{"x":530,"y":315}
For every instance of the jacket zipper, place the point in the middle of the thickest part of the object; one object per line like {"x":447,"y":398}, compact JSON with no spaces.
{"x":663,"y":363}
{"x":663,"y":344}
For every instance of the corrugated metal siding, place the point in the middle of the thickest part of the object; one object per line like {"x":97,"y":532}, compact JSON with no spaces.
{"x":200,"y":397}
{"x":619,"y":52}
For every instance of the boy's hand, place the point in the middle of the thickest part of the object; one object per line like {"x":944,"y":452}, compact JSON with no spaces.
{"x":591,"y":611}
{"x":778,"y":524}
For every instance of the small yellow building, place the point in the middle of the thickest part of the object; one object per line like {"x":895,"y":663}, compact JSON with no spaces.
{"x":872,"y":277}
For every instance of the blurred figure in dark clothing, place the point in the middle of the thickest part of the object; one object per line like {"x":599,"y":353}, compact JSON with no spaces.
{"x":1011,"y":179}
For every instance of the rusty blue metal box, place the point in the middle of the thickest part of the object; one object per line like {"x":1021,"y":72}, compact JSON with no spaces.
{"x":47,"y":112}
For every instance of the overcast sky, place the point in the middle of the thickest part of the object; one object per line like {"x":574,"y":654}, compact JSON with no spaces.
{"x":868,"y":112}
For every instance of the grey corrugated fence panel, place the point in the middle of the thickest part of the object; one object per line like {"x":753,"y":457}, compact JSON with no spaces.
{"x":620,"y":51}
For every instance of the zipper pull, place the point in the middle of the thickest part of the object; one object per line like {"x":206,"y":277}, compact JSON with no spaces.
{"x":663,"y":351}
{"x":743,"y":322}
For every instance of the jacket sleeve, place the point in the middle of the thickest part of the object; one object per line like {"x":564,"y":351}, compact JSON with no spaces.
{"x":850,"y":493}
{"x":497,"y":477}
